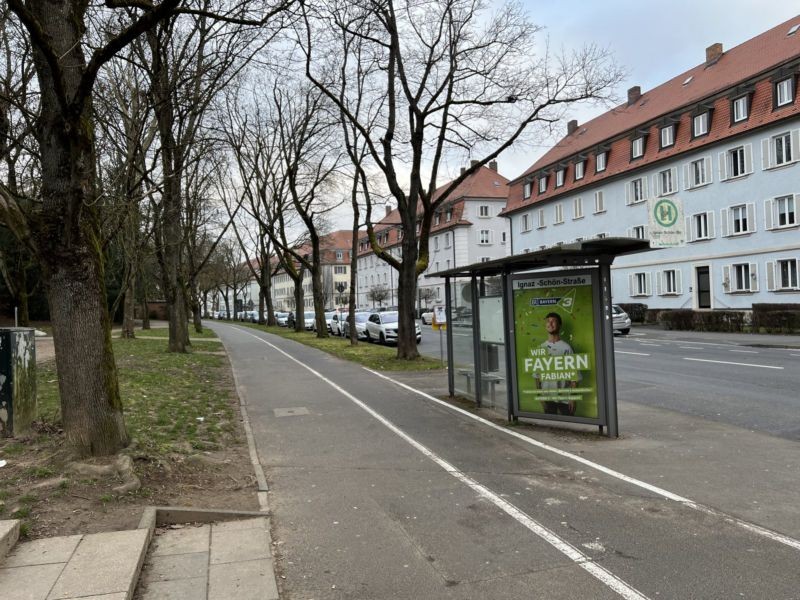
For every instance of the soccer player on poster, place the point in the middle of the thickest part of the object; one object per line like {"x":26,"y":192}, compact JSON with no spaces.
{"x":555,"y":346}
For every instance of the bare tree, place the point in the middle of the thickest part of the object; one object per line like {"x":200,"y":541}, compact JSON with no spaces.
{"x":450,"y":80}
{"x":378,"y":294}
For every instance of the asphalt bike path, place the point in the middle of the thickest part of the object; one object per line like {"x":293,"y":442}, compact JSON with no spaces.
{"x":377,"y":492}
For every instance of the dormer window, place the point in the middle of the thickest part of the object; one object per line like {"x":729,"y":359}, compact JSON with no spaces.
{"x":560,"y":177}
{"x":700,"y":124}
{"x":740,"y":109}
{"x":542,"y":184}
{"x":448,"y":215}
{"x":526,"y":190}
{"x":436,"y":218}
{"x":580,"y":167}
{"x":600,"y":161}
{"x":637,"y":147}
{"x":668,"y":136}
{"x":784,"y":92}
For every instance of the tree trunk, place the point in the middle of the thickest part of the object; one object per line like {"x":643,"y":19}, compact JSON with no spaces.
{"x":318,"y":293}
{"x":196,"y":312}
{"x":351,"y":301}
{"x":23,"y":314}
{"x":69,"y":243}
{"x":299,"y":308}
{"x":406,"y":293}
{"x":127,"y":310}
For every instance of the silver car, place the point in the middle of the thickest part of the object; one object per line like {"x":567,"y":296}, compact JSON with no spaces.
{"x":622,"y":322}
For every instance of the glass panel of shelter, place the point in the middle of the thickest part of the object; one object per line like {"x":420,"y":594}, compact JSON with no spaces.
{"x":460,"y":321}
{"x":493,"y":392}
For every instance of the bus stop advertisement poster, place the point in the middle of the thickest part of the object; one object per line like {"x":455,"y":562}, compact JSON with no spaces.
{"x":555,"y":345}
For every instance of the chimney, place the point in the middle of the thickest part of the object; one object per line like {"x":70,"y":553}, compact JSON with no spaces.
{"x":463,"y":170}
{"x":388,"y":208}
{"x":493,"y":166}
{"x":473,"y":162}
{"x":572,"y":127}
{"x":634,"y":94}
{"x":713,"y":53}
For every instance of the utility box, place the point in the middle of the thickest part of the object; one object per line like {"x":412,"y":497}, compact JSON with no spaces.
{"x":17,"y":380}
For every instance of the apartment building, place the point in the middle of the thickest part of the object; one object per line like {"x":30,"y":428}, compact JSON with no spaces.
{"x":724,"y":139}
{"x":467,"y":228}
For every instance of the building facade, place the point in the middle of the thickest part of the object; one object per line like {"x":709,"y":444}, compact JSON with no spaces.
{"x":467,"y":228}
{"x":722,"y":138}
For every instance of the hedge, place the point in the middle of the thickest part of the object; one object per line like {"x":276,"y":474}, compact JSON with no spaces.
{"x":776,"y":318}
{"x":637,"y":312}
{"x":691,"y":320}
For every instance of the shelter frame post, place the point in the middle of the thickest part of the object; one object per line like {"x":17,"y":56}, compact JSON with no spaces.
{"x":448,"y":301}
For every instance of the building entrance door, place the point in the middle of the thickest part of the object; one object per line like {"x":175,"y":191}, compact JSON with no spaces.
{"x":703,"y":287}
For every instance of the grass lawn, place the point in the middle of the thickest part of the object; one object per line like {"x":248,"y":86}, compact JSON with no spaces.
{"x":373,"y":356}
{"x":163,"y":333}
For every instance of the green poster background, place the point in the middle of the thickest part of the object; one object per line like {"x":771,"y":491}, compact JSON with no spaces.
{"x":569,"y":296}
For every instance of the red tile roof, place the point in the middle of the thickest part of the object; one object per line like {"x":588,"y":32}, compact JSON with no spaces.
{"x":738,"y":65}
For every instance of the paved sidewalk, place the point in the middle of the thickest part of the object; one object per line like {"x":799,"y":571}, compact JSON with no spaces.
{"x":741,"y":339}
{"x":222,"y":561}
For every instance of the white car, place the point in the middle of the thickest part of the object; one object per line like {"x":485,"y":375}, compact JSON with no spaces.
{"x":310,"y":320}
{"x":281,"y":318}
{"x":361,"y":325}
{"x":622,"y":322}
{"x":382,"y":327}
{"x":427,"y":317}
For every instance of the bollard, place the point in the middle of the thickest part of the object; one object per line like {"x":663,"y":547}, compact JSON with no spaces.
{"x":17,"y":380}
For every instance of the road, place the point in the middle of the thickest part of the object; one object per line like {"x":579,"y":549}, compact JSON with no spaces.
{"x":752,"y":387}
{"x":378,"y":492}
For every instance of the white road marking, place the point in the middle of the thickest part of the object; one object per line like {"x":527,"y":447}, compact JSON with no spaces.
{"x":762,"y":531}
{"x":582,"y":560}
{"x":650,"y":344}
{"x":794,"y":355}
{"x":744,"y":351}
{"x":738,"y":364}
{"x":690,"y":348}
{"x":636,"y":353}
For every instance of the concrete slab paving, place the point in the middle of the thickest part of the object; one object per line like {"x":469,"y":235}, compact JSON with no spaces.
{"x":28,"y":583}
{"x":167,"y":567}
{"x":177,"y":589}
{"x":117,"y":596}
{"x":183,"y":541}
{"x":103,"y":563}
{"x":229,"y":546}
{"x":248,"y":580}
{"x":43,"y":551}
{"x":257,"y":522}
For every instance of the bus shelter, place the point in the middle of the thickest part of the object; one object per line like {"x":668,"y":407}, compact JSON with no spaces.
{"x":535,"y":332}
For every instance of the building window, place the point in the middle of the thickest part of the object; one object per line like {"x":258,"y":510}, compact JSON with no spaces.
{"x":639,"y":232}
{"x":340,"y":270}
{"x":502,"y":237}
{"x":542,"y":184}
{"x":560,"y":177}
{"x":640,"y":284}
{"x":437,"y":266}
{"x":541,"y":218}
{"x":577,"y":208}
{"x":668,"y":136}
{"x":526,"y":222}
{"x":739,"y":219}
{"x":786,"y":271}
{"x":447,"y":240}
{"x":670,"y":282}
{"x":600,"y":162}
{"x":666,"y":181}
{"x":448,"y":215}
{"x":785,"y":211}
{"x":436,"y":242}
{"x":736,"y":162}
{"x":740,"y":109}
{"x":700,"y":124}
{"x":700,"y":227}
{"x":599,"y":203}
{"x":740,"y":278}
{"x":699,"y":171}
{"x":526,"y":190}
{"x":339,"y":255}
{"x":484,"y":237}
{"x":784,"y":92}
{"x":485,"y":258}
{"x":636,"y":191}
{"x":559,"y":214}
{"x":483,"y":210}
{"x":579,"y":169}
{"x":782,"y":146}
{"x":637,"y":147}
{"x":437,"y":218}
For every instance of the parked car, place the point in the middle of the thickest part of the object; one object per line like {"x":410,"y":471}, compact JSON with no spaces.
{"x":310,"y":320}
{"x":328,"y":320}
{"x":361,"y":325}
{"x":427,"y":317}
{"x":622,"y":322}
{"x":335,"y":324}
{"x":282,"y":319}
{"x":382,"y":327}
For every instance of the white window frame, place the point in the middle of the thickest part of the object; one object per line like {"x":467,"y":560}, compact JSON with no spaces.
{"x":541,"y":221}
{"x":668,"y":136}
{"x":448,"y":215}
{"x":637,"y":147}
{"x":636,"y":191}
{"x":437,"y":219}
{"x":668,"y":282}
{"x":542,"y":184}
{"x":700,"y":227}
{"x":560,"y":177}
{"x":775,"y":275}
{"x":789,"y":210}
{"x":740,"y":108}
{"x":671,"y":175}
{"x":783,"y":92}
{"x":638,"y":232}
{"x":484,"y":259}
{"x":558,"y":214}
{"x":483,"y":211}
{"x":599,"y":202}
{"x":525,"y":224}
{"x":782,"y":148}
{"x":738,"y":278}
{"x":526,"y":190}
{"x":484,"y":237}
{"x":737,"y":157}
{"x":639,"y":284}
{"x":502,"y":237}
{"x":577,"y":208}
{"x":700,"y":124}
{"x":580,"y":170}
{"x":435,"y":243}
{"x":601,"y":161}
{"x":739,"y":221}
{"x":447,"y":243}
